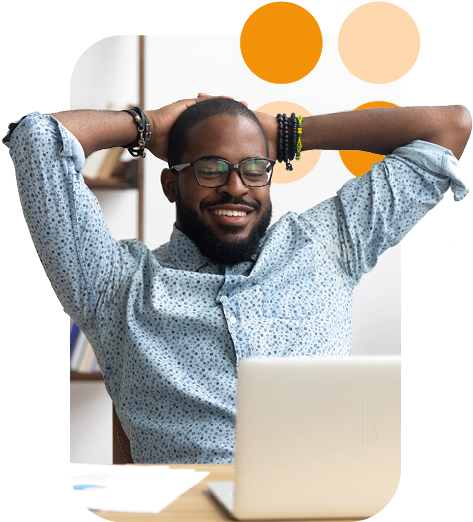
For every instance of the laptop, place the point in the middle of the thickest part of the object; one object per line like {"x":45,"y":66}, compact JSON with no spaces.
{"x":316,"y":438}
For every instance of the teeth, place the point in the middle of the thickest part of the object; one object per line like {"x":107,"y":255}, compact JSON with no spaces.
{"x":229,"y":213}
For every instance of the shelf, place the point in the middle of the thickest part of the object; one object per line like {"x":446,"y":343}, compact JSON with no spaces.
{"x":96,"y":376}
{"x":125,"y":177}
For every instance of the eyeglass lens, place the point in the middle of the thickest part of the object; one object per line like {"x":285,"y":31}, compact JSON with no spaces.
{"x":213,"y":172}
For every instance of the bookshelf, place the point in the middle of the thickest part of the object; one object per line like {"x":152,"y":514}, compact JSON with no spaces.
{"x":95,"y":376}
{"x":124,"y":177}
{"x":127,"y":175}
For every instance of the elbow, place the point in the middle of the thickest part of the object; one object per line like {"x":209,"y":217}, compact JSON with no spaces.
{"x":463,"y":121}
{"x":461,"y":129}
{"x":454,"y":129}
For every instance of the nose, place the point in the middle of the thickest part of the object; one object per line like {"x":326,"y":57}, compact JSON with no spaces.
{"x":234,"y":186}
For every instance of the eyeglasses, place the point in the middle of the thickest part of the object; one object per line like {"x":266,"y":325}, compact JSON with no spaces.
{"x":215,"y":172}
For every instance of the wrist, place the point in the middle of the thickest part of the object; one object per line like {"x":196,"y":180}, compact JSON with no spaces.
{"x":139,"y":144}
{"x":152,"y":128}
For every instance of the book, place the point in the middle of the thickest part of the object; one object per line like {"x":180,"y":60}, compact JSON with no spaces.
{"x":96,"y":368}
{"x":83,"y":358}
{"x":101,"y":163}
{"x":74,"y":334}
{"x":80,"y":364}
{"x":78,"y":352}
{"x":87,"y":359}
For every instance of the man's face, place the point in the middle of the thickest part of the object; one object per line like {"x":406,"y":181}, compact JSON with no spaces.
{"x":222,"y":238}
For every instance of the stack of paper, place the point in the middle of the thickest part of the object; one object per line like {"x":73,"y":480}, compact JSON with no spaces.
{"x":138,"y":489}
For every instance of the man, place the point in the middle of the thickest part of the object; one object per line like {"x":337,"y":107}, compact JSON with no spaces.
{"x":170,"y":326}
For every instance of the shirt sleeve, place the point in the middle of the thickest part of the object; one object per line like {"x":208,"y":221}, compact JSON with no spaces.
{"x":374,"y":212}
{"x":85,"y":265}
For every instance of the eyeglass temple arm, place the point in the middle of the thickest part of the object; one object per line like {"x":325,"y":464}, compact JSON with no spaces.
{"x":178,"y":168}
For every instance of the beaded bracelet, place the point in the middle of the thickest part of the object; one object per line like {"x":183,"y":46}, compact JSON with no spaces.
{"x":280,"y":138}
{"x":299,"y":138}
{"x":293,"y":135}
{"x":288,"y":138}
{"x":285,"y":139}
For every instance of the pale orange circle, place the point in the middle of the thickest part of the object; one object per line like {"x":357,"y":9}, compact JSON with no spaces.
{"x":358,"y":161}
{"x":309,"y":158}
{"x":281,"y":42}
{"x":379,"y":42}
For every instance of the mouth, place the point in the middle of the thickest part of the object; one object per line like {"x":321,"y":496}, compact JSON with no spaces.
{"x":237,"y":215}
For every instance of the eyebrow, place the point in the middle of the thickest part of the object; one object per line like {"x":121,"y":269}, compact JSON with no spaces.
{"x":211,"y":157}
{"x":220,"y":158}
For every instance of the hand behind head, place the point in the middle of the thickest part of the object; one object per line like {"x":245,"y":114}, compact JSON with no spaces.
{"x":162,"y":121}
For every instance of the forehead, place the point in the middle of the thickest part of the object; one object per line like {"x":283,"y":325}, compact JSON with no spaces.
{"x":233,"y":138}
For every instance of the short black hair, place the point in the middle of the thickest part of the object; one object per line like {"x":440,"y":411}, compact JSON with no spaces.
{"x":178,"y":141}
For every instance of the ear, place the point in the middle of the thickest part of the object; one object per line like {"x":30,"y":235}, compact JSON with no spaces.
{"x":169,"y":184}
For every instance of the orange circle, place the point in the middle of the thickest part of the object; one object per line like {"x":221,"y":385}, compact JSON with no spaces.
{"x":358,"y":161}
{"x":281,"y":42}
{"x":379,"y":42}
{"x":309,"y":158}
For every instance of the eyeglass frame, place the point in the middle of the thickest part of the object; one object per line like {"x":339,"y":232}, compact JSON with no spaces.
{"x":233,"y":166}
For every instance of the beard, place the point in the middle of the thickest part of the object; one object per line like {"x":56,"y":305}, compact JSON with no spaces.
{"x":227,"y":251}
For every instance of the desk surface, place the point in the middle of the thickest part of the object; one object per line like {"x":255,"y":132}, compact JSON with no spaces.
{"x":196,"y":505}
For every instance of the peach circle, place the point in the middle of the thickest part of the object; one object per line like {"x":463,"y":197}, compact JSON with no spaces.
{"x":358,"y":161}
{"x":281,"y":42}
{"x":379,"y":42}
{"x":309,"y":158}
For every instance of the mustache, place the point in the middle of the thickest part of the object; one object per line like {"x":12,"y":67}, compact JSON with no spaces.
{"x":229,"y":199}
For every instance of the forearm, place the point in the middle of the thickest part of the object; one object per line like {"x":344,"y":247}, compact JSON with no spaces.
{"x":383,"y":130}
{"x":96,"y":130}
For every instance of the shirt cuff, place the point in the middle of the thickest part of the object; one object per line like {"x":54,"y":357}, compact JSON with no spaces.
{"x":70,"y":144}
{"x":437,"y":160}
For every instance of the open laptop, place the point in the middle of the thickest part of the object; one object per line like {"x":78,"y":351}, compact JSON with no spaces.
{"x":316,"y":438}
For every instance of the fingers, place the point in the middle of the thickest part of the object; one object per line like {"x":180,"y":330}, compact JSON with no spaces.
{"x":201,"y":96}
{"x":204,"y":95}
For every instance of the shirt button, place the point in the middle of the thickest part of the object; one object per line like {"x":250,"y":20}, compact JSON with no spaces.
{"x":233,"y":319}
{"x":223,"y":298}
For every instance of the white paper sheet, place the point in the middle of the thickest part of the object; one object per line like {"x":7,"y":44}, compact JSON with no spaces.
{"x":132,"y":488}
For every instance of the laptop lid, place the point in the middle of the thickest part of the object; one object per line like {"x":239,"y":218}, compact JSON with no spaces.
{"x":317,"y":437}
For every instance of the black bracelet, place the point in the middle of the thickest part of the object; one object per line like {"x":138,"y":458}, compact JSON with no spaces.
{"x":137,"y":148}
{"x":290,"y":132}
{"x":286,"y":144}
{"x":293,"y":135}
{"x":280,"y":137}
{"x":285,"y":139}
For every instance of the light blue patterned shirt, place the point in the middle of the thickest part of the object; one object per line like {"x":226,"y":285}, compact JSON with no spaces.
{"x":169,"y":327}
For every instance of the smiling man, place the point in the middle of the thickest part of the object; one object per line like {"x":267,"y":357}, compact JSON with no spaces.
{"x":226,"y":210}
{"x":169,"y":326}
